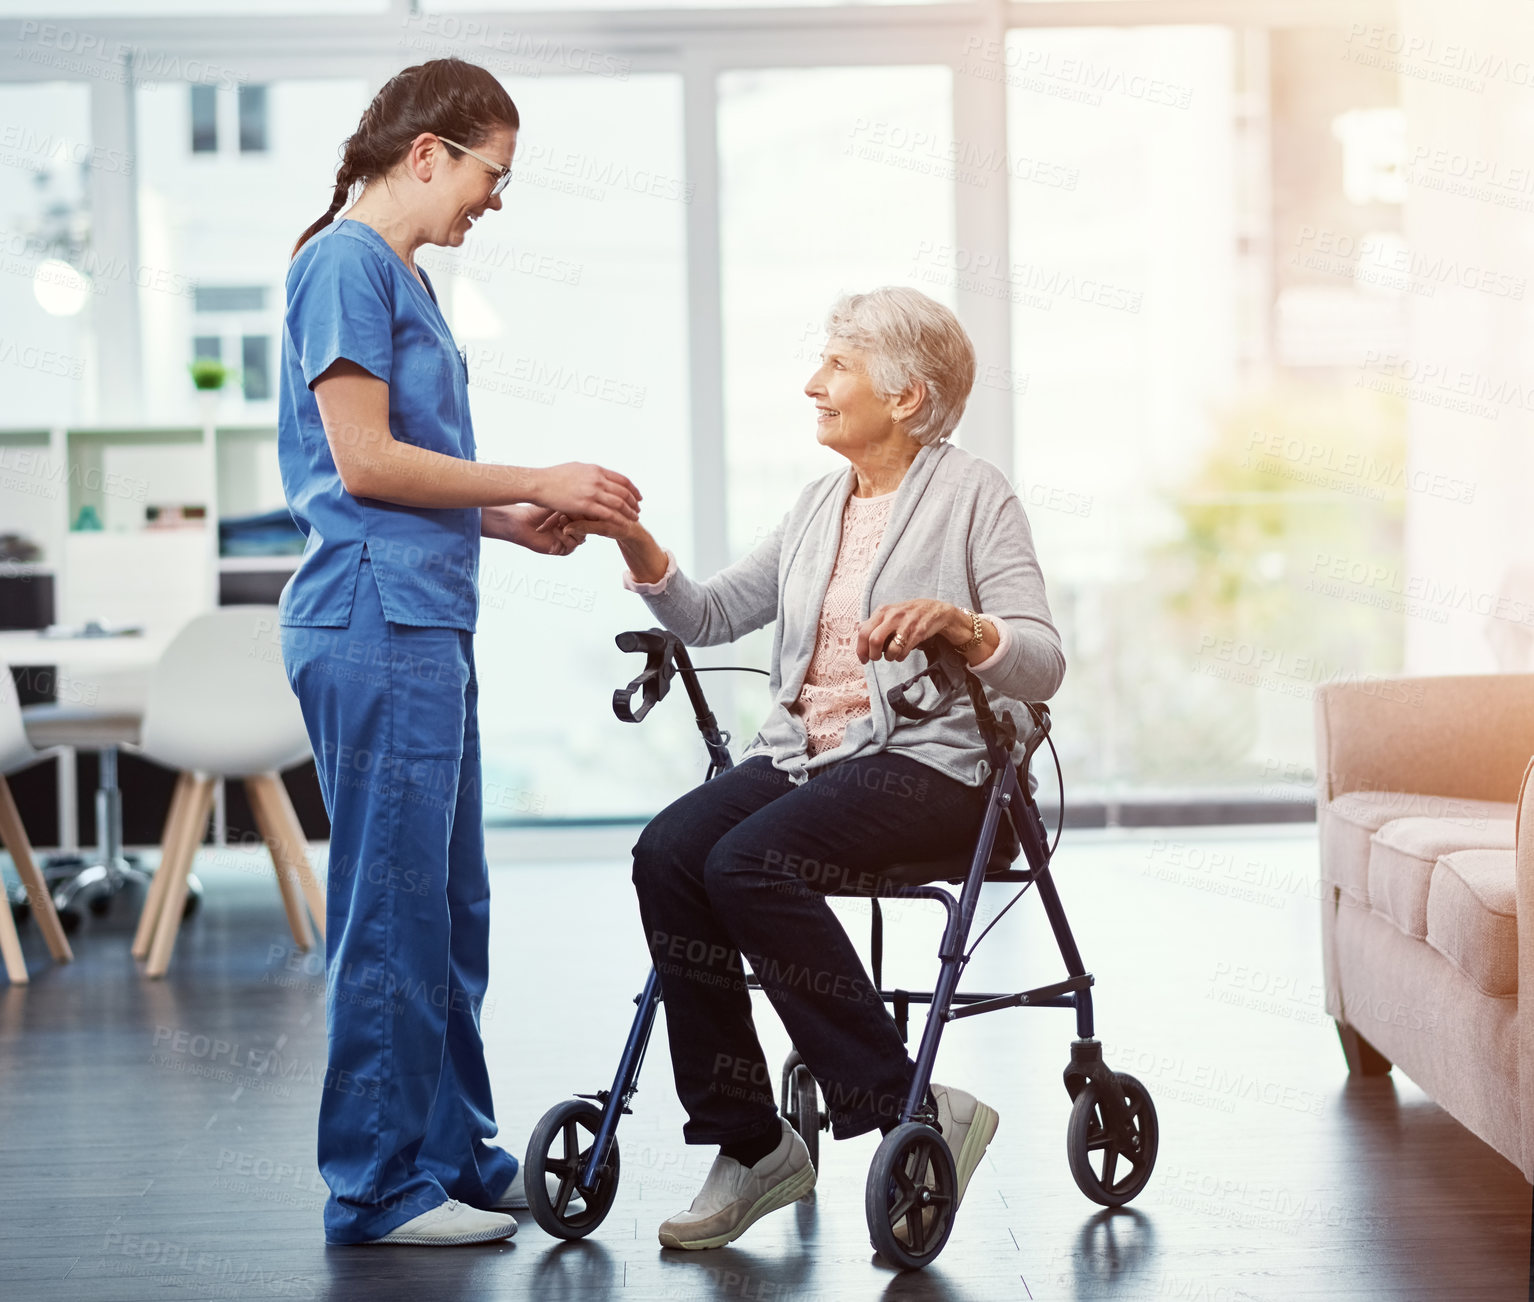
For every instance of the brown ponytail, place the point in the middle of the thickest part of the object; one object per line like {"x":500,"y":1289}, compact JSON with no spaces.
{"x":448,"y":96}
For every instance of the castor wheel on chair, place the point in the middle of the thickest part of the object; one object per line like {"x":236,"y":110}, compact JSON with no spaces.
{"x":1088,"y":1134}
{"x":557,"y":1152}
{"x":193,"y":897}
{"x":911,"y":1196}
{"x":21,"y":906}
{"x":800,"y":1105}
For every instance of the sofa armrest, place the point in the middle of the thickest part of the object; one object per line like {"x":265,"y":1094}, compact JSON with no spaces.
{"x":1524,"y":906}
{"x":1467,"y":736}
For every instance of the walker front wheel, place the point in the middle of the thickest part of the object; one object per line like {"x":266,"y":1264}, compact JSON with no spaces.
{"x":1112,"y":1167}
{"x":911,"y":1196}
{"x":557,"y":1153}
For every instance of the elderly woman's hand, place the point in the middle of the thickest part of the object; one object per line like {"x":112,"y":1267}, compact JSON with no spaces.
{"x":646,"y":560}
{"x":535,"y":527}
{"x":892,"y":632}
{"x":603,"y":528}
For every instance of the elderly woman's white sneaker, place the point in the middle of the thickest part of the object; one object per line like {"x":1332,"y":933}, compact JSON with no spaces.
{"x":968,"y":1125}
{"x":735,"y":1197}
{"x":515,"y":1197}
{"x":449,"y":1224}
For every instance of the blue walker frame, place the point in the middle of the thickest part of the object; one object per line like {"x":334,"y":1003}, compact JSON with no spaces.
{"x":1118,"y":1119}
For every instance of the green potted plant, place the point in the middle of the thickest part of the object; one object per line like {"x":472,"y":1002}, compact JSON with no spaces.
{"x":209,"y":375}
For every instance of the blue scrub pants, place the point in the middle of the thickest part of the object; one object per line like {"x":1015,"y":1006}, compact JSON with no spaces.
{"x":405,"y":1109}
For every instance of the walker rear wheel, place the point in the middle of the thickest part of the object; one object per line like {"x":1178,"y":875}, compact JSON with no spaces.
{"x":557,"y":1153}
{"x":1112,"y":1167}
{"x":911,"y":1196}
{"x":800,"y":1106}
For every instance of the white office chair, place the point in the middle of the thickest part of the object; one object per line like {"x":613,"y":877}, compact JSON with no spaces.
{"x":219,"y":705}
{"x":17,"y":752}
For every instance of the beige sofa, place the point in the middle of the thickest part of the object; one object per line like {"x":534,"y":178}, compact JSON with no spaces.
{"x":1426,"y":826}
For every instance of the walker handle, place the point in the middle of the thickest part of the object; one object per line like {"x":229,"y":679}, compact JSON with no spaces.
{"x":659,"y":647}
{"x":946,"y":669}
{"x":949,"y":672}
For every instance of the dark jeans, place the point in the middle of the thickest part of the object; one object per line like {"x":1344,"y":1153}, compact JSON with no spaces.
{"x":741,"y":865}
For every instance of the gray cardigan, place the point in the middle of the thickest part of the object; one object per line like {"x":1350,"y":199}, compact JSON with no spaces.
{"x":956,"y":532}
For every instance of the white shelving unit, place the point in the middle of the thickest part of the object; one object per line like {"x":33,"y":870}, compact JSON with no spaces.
{"x":125,"y":570}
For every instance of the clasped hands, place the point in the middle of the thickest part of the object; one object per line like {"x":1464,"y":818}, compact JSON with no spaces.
{"x":559,"y":497}
{"x":578,"y":500}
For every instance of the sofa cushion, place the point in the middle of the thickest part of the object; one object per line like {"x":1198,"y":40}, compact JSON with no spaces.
{"x":1472,"y":917}
{"x":1348,"y":822}
{"x":1401,"y":858}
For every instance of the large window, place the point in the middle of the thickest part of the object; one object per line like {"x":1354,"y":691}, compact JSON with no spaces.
{"x":827,"y":186}
{"x":252,"y":108}
{"x":1183,"y":458}
{"x":1205,"y":286}
{"x":204,"y":106}
{"x":216,"y":227}
{"x":435,"y":17}
{"x":48,"y":373}
{"x":570,"y":304}
{"x":47,"y":167}
{"x":67,"y":11}
{"x":829,"y":183}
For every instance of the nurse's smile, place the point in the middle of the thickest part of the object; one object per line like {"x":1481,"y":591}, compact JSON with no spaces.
{"x":472,"y":180}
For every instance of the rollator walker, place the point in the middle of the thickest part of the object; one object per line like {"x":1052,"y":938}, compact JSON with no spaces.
{"x":572,"y":1156}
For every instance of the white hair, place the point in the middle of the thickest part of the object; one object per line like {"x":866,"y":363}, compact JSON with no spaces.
{"x":905,"y":337}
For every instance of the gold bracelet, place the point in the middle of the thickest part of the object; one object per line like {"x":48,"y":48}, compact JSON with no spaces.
{"x":979,"y":636}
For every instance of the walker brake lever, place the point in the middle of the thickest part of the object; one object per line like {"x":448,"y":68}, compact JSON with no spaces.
{"x":944,"y":668}
{"x":1039,"y":713}
{"x":655,"y":679}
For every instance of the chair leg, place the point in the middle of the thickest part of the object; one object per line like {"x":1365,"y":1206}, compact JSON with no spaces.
{"x":15,"y":837}
{"x":258,"y":788}
{"x":154,"y":898}
{"x":290,"y":834}
{"x":200,"y":805}
{"x":1363,"y":1058}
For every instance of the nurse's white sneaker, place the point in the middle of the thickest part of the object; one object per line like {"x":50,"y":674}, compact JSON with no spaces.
{"x":450,"y":1224}
{"x":735,"y":1197}
{"x":515,"y":1197}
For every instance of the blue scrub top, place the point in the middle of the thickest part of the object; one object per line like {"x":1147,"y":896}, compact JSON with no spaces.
{"x":350,"y":295}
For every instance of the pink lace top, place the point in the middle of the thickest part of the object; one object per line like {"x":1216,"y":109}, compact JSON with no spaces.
{"x":835,"y":689}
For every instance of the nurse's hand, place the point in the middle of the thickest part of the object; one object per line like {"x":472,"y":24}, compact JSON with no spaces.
{"x":534,"y":527}
{"x":586,"y":492}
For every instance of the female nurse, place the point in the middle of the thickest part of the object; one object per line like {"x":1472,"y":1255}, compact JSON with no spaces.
{"x":377,"y":459}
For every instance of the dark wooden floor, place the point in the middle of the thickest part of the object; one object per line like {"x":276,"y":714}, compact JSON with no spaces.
{"x":156,"y":1138}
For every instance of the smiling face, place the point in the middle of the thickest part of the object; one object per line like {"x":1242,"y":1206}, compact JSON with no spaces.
{"x":467,"y":183}
{"x":849,"y":415}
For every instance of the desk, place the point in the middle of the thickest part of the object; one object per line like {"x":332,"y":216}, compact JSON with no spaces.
{"x":96,"y":673}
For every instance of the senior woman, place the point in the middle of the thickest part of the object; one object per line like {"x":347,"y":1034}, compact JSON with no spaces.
{"x":914,"y":538}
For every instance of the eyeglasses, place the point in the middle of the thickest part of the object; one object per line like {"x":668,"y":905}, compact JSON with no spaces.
{"x":502,"y":174}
